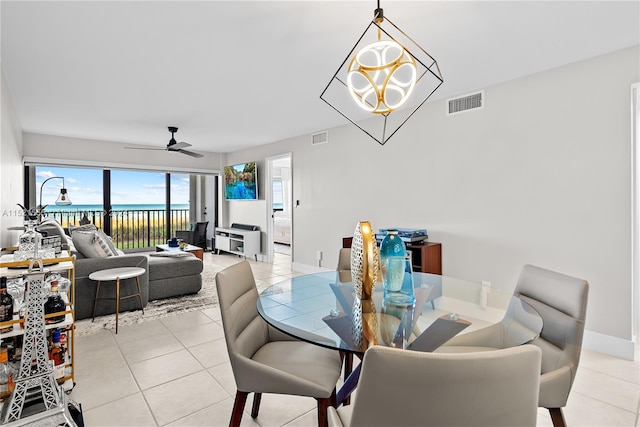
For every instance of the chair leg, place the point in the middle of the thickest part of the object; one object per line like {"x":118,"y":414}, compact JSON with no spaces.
{"x":256,"y":405}
{"x":95,"y":302}
{"x":333,"y":399}
{"x":348,"y":367}
{"x":238,"y":407}
{"x":323,"y":405}
{"x":557,"y":417}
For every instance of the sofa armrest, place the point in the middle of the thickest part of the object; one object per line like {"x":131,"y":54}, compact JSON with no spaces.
{"x":85,"y":288}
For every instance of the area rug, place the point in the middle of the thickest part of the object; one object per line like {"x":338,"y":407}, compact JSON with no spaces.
{"x":206,"y":298}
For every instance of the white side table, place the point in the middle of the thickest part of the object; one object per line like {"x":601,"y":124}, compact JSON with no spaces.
{"x":117,"y":274}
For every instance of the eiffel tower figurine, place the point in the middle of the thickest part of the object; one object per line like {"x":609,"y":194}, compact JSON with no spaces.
{"x":36,"y":373}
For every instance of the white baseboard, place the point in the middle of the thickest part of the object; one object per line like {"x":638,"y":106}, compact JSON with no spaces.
{"x":309,"y":269}
{"x":613,"y":346}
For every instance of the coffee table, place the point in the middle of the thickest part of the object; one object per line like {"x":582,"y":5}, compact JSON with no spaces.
{"x":196,"y":250}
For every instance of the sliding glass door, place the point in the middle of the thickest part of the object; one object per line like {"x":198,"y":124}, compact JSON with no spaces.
{"x":138,"y":209}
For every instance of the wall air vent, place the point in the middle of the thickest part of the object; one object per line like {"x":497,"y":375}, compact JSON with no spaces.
{"x":320,"y":138}
{"x":465,"y":103}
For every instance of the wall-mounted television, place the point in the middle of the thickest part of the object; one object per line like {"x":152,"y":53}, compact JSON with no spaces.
{"x":241,"y":181}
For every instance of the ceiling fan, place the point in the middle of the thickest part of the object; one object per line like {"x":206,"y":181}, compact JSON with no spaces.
{"x":173,"y":145}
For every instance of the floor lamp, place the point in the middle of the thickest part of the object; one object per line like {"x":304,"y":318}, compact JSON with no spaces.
{"x":63,"y":198}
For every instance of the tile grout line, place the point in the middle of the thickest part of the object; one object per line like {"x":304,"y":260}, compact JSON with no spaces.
{"x":144,"y":398}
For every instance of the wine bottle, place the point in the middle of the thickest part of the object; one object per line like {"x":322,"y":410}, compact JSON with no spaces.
{"x":6,"y":306}
{"x":54,"y":304}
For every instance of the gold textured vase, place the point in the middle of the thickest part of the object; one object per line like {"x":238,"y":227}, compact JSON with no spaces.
{"x":365,"y":260}
{"x":364,"y":324}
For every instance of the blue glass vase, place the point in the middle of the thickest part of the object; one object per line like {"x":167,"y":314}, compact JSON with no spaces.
{"x":398,"y":282}
{"x":396,"y":270}
{"x":392,"y":246}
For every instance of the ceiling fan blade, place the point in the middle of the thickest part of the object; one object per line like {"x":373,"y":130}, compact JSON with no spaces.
{"x":191,"y":153}
{"x":172,"y":146}
{"x":178,"y":146}
{"x":145,"y":148}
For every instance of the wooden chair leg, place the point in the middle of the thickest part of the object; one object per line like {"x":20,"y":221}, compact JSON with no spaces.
{"x":256,"y":405}
{"x":323,"y":405}
{"x":557,"y":417}
{"x":348,"y":367}
{"x":238,"y":407}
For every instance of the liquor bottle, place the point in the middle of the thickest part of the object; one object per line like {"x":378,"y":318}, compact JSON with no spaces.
{"x":57,"y":355}
{"x":6,"y":375}
{"x":54,"y":304}
{"x":6,"y":306}
{"x":17,"y":350}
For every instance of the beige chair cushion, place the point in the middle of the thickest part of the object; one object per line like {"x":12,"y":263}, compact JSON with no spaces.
{"x":262,"y":361}
{"x":408,"y":388}
{"x":561,"y":301}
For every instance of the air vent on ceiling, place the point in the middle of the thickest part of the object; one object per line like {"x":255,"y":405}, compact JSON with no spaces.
{"x":465,"y":103}
{"x":320,"y":138}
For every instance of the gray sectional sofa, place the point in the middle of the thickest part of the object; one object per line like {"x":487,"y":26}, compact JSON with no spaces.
{"x":165,"y":277}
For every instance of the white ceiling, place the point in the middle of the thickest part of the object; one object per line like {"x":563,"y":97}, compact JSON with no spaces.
{"x":236,"y":74}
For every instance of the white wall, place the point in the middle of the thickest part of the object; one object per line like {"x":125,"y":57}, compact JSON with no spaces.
{"x":11,"y":171}
{"x":90,"y":152}
{"x":541,"y":175}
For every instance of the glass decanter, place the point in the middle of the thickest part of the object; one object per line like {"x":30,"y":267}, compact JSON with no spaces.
{"x":29,"y":242}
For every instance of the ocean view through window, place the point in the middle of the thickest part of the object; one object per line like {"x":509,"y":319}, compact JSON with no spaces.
{"x":138,"y":214}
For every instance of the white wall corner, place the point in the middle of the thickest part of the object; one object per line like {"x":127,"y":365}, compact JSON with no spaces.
{"x":309,"y":269}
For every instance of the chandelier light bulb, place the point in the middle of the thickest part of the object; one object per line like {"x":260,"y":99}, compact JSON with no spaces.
{"x":63,"y":198}
{"x":381,"y":77}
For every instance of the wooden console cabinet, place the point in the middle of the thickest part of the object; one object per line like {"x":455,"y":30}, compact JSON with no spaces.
{"x":426,"y":256}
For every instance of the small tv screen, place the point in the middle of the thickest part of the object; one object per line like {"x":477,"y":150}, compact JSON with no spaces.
{"x":241,"y":182}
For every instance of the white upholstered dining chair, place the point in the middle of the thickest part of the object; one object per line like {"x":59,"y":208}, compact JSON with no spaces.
{"x":265,"y":360}
{"x":412,"y":388}
{"x":561,"y":301}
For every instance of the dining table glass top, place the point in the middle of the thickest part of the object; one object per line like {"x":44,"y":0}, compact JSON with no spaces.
{"x":322,"y":308}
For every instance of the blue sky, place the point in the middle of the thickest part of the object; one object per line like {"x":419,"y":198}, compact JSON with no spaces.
{"x":84,"y":186}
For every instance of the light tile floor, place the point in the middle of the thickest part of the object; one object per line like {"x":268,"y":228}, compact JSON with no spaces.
{"x":176,"y":372}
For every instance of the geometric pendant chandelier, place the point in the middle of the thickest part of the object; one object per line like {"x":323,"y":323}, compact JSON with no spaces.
{"x":383,"y":80}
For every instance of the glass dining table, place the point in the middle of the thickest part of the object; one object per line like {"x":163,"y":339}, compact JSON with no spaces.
{"x":322,"y":308}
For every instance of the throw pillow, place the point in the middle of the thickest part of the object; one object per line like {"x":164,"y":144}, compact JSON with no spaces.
{"x":86,"y":227}
{"x":91,"y":244}
{"x":108,"y":241}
